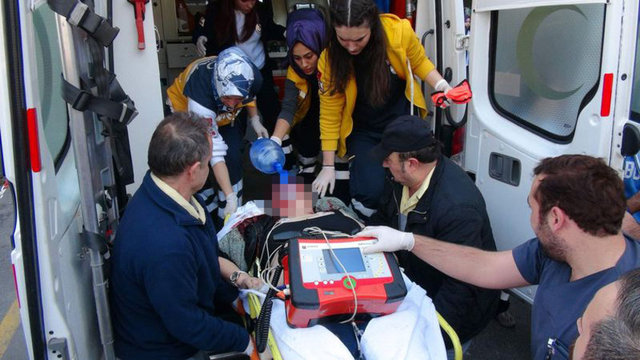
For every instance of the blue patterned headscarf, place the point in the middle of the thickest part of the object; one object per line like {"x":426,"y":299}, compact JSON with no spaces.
{"x":306,"y":26}
{"x":235,"y":75}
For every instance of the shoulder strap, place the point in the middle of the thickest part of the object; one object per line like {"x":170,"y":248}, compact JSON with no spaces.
{"x":80,"y":15}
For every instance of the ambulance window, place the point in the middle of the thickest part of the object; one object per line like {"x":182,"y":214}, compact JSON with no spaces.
{"x":545,"y":65}
{"x":53,"y":110}
{"x":635,"y":94}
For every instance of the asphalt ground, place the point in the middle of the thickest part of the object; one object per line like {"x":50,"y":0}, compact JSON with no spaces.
{"x":12,"y":343}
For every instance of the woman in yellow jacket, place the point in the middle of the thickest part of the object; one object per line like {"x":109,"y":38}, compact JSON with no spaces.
{"x":365,"y":83}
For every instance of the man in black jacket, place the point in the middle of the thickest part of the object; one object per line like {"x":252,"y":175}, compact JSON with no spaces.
{"x":431,"y":195}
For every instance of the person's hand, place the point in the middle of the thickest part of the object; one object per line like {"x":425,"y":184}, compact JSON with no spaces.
{"x":246,"y":281}
{"x":442,"y":85}
{"x":232,"y":204}
{"x":326,"y":180}
{"x":201,"y":45}
{"x":439,"y":97}
{"x":260,"y":130}
{"x":389,"y":239}
{"x":276,"y":139}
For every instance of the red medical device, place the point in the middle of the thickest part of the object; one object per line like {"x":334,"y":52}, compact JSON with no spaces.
{"x":320,"y":289}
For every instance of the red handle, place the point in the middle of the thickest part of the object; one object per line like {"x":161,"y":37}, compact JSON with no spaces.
{"x":140,"y":9}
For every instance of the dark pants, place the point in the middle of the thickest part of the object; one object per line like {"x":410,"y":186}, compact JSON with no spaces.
{"x":233,"y":136}
{"x":367,"y":175}
{"x":268,"y":102}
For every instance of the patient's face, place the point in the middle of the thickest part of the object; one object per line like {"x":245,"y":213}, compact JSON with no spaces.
{"x":292,"y":199}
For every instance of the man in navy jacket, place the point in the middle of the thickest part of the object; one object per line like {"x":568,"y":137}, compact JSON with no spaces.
{"x":166,"y":275}
{"x":430,"y":195}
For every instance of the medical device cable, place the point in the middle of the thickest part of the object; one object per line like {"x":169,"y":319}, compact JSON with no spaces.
{"x":264,"y":318}
{"x":316,"y":230}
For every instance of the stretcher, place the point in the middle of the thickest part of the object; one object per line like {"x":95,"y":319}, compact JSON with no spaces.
{"x":385,"y":337}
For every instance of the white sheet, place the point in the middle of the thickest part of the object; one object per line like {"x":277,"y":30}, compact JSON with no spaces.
{"x":412,"y":332}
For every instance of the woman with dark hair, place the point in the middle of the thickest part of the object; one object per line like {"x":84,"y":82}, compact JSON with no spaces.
{"x":298,"y":122}
{"x":248,"y":25}
{"x":366,"y":81}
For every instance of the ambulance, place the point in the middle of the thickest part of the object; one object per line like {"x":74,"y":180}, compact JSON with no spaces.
{"x":82,"y":88}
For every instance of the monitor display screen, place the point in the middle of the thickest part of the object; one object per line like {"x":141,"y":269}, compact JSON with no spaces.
{"x":351,"y":258}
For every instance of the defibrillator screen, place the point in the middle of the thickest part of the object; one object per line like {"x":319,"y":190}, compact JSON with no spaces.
{"x":351,"y":259}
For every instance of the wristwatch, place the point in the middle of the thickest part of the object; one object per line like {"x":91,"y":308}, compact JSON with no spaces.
{"x":233,"y":278}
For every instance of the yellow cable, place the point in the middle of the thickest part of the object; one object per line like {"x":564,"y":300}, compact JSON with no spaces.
{"x":455,"y":340}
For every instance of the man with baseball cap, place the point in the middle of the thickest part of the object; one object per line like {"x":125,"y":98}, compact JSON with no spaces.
{"x":431,"y":195}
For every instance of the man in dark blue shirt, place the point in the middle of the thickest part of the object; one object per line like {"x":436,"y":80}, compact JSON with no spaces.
{"x":577,"y":205}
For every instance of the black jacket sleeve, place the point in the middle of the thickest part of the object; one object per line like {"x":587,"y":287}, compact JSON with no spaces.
{"x":464,"y":306}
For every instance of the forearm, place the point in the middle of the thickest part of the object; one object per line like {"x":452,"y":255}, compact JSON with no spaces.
{"x":432,"y":78}
{"x":226,"y":267}
{"x":328,"y":158}
{"x":487,"y":269}
{"x":221,"y":173}
{"x":282,"y":128}
{"x":633,"y":203}
{"x":252,"y":111}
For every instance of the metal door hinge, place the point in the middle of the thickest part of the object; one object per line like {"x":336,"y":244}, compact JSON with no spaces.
{"x":462,"y":42}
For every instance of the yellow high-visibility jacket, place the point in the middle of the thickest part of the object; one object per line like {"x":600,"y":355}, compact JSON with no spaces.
{"x":336,"y":109}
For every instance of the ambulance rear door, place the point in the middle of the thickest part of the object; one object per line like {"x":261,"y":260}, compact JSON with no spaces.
{"x":543,"y":80}
{"x":58,"y":157}
{"x":440,"y":28}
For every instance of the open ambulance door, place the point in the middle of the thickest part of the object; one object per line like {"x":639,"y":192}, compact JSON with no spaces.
{"x":58,"y":156}
{"x":544,"y":80}
{"x":440,"y":28}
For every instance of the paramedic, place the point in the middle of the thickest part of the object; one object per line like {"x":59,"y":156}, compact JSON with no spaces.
{"x":365,"y":82}
{"x":430,"y":195}
{"x":298,"y":122}
{"x":577,"y":204}
{"x":166,"y":273}
{"x":249,"y":25}
{"x":218,"y":88}
{"x":610,"y":326}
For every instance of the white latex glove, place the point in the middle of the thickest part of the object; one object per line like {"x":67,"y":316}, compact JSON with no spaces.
{"x":257,"y":126}
{"x":232,"y":204}
{"x":326,"y":180}
{"x":201,"y":45}
{"x":276,"y":139}
{"x":389,"y":239}
{"x":442,"y":85}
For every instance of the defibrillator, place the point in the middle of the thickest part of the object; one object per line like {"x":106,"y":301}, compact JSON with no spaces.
{"x":332,"y":280}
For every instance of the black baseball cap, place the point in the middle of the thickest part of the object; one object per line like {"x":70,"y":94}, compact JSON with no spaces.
{"x":404,"y":134}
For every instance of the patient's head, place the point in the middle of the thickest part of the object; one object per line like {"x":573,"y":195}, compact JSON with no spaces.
{"x":292,"y":199}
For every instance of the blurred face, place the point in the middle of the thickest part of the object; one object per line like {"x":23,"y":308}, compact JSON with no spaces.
{"x":355,"y":38}
{"x":231,"y":101}
{"x":306,"y":59}
{"x":397,"y":168}
{"x":292,"y":200}
{"x":601,"y":306}
{"x":245,"y":6}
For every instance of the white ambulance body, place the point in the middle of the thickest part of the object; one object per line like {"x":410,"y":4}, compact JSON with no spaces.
{"x":549,"y":77}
